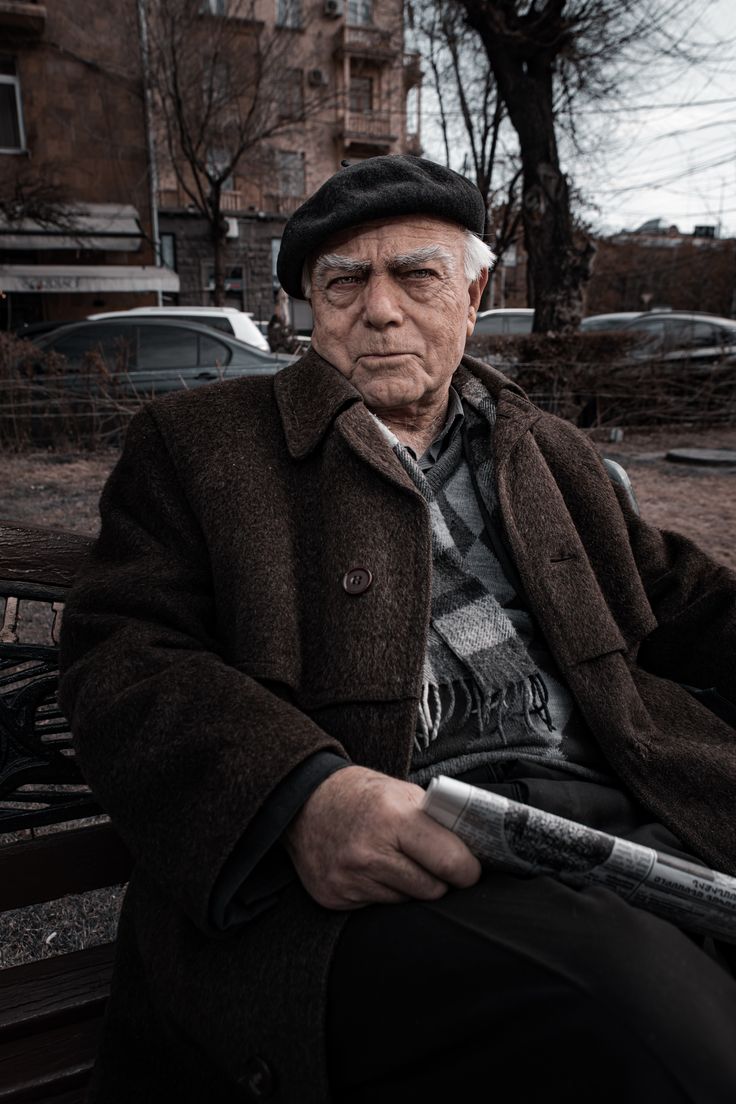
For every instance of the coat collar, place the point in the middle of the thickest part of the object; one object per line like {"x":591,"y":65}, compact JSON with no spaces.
{"x":310,"y":393}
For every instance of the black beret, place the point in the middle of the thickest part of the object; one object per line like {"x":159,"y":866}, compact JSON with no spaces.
{"x":379,"y":187}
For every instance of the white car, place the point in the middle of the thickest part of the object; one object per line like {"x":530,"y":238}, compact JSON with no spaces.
{"x":229,"y":320}
{"x":504,"y":321}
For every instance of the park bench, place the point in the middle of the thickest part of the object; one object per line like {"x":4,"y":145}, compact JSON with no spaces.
{"x":54,"y":840}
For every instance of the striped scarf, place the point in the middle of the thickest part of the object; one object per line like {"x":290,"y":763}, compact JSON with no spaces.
{"x":475,"y":662}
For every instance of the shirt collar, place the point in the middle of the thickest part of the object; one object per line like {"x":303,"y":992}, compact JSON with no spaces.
{"x":453,"y":421}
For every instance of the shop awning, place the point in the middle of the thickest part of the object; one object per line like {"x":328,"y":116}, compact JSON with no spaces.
{"x":107,"y":227}
{"x":48,"y":279}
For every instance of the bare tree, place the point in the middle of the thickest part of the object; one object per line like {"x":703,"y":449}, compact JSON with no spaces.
{"x":222,"y":85}
{"x":31,"y":193}
{"x":547,"y":56}
{"x":472,"y":116}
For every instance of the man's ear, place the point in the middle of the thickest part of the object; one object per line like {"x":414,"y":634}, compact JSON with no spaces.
{"x":475,"y":291}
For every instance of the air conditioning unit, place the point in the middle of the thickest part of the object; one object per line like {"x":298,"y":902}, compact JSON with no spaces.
{"x":332,"y":9}
{"x":232,"y":228}
{"x":317,"y":78}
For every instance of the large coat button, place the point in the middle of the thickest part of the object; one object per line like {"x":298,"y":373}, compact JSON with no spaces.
{"x":258,"y":1079}
{"x":357,"y":580}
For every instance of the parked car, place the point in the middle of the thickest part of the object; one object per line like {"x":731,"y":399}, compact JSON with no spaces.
{"x":150,"y":356}
{"x":504,"y":321}
{"x":620,"y":320}
{"x":677,"y":336}
{"x":229,"y":320}
{"x":34,"y":330}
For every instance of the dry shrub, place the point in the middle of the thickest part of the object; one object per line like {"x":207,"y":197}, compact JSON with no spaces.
{"x":596,"y":379}
{"x":44,"y":404}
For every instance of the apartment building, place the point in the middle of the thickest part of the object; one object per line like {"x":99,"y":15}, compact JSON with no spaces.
{"x":346,"y":88}
{"x":76,"y":212}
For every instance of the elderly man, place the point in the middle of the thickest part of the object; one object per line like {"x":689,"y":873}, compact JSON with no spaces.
{"x":312,"y":594}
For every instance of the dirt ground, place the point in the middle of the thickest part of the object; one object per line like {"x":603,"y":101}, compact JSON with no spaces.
{"x":61,"y":490}
{"x":694,"y":499}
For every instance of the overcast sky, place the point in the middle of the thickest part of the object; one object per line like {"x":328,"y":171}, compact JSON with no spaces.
{"x":668,"y":151}
{"x":677,"y":161}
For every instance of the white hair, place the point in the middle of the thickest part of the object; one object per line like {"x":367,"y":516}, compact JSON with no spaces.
{"x":477,"y":256}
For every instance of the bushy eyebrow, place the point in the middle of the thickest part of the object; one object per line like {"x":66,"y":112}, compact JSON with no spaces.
{"x":348,"y":266}
{"x":401,"y":262}
{"x":418,"y":257}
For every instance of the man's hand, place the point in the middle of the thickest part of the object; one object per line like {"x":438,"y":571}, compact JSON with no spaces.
{"x":362,"y":838}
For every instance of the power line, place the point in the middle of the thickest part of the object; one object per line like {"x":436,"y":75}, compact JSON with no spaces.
{"x":693,"y":170}
{"x":624,"y":110}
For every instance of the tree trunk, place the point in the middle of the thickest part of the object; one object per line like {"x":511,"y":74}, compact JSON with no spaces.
{"x":558,"y":266}
{"x":219,"y":252}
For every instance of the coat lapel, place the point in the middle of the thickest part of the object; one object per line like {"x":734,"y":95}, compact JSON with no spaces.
{"x":311,"y":395}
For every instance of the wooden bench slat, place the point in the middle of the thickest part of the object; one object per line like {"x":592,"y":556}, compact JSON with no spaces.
{"x":36,"y":555}
{"x":61,"y":863}
{"x":32,"y":1066}
{"x":54,"y":991}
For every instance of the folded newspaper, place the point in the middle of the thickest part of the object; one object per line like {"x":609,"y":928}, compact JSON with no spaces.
{"x":518,"y":838}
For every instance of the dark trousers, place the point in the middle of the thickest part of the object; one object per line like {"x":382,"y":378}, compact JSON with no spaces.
{"x":529,"y":991}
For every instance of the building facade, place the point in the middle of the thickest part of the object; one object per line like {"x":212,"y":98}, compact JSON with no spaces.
{"x":76,"y":215}
{"x":347,"y":89}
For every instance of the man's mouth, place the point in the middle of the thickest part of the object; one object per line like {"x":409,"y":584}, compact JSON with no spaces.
{"x":384,"y":356}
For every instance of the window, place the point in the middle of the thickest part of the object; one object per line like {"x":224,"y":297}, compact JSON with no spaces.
{"x":217,"y":162}
{"x":288,"y":13}
{"x":289,"y":173}
{"x":114,"y":344}
{"x":292,"y":95}
{"x":361,"y":94}
{"x":360,"y":12}
{"x":217,"y":82}
{"x":12,"y":137}
{"x":694,"y":334}
{"x":166,"y":347}
{"x":233,"y":282}
{"x":168,"y":251}
{"x":215,"y":7}
{"x":652,"y":332}
{"x":519,"y":323}
{"x":213,"y":353}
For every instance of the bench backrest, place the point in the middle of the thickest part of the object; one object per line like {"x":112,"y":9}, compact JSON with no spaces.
{"x":40,"y":782}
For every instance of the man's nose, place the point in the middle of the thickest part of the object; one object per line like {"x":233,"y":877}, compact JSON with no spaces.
{"x":381,"y":302}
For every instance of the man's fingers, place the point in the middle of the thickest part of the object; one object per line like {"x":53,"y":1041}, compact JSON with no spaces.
{"x":440,"y":852}
{"x":362,"y":837}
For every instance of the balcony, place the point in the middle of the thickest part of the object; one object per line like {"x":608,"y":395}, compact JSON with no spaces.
{"x":369,"y":130}
{"x":372,"y":43}
{"x":176,"y":198}
{"x":231,"y":201}
{"x":24,"y":17}
{"x":277,"y":204}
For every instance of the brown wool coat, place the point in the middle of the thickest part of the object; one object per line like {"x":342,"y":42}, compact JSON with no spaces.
{"x":210,"y":647}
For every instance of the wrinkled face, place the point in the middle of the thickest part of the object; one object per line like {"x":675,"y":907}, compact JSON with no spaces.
{"x":392,"y":308}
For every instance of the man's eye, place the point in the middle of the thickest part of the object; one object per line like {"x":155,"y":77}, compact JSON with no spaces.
{"x":345,"y":281}
{"x":419,"y":273}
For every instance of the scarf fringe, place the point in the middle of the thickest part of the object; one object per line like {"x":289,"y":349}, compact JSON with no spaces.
{"x":528,"y":698}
